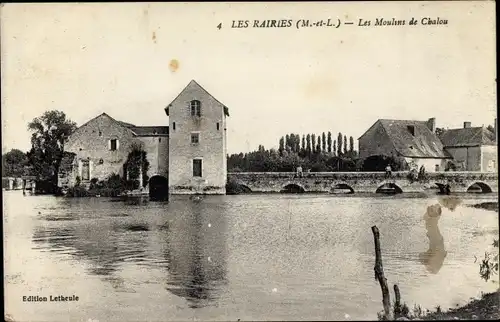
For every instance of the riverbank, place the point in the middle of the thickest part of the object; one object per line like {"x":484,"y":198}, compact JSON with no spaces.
{"x":486,"y":308}
{"x":493,"y":206}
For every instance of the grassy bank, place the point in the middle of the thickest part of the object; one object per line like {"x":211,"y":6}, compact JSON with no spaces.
{"x":486,"y":308}
{"x":493,"y":206}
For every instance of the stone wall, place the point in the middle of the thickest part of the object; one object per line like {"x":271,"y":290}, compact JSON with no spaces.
{"x":470,"y":157}
{"x":366,"y":182}
{"x":91,"y":141}
{"x":489,"y":162}
{"x":156,"y":148}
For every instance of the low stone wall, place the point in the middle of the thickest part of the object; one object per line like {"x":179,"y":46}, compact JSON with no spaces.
{"x":366,"y":182}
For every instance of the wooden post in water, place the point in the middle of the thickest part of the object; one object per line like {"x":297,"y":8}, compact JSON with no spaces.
{"x":397,"y":302}
{"x":379,"y":275}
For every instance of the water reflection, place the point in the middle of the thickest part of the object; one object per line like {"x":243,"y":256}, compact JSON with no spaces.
{"x":184,"y":239}
{"x":197,"y":252}
{"x":433,"y":258}
{"x":105,"y":245}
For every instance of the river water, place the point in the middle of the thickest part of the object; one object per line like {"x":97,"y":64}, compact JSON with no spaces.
{"x":248,"y":257}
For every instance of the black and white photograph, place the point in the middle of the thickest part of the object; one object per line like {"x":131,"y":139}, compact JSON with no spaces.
{"x":249,"y":161}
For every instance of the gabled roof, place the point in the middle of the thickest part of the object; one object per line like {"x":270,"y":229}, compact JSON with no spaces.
{"x":194,"y":83}
{"x":136,"y":130}
{"x":470,"y":136}
{"x":423,"y":143}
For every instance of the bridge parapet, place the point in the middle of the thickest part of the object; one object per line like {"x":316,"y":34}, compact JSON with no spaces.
{"x":362,"y":181}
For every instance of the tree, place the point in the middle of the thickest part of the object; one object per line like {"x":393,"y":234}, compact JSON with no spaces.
{"x":297,"y":143}
{"x":49,"y":133}
{"x":313,"y":141}
{"x":491,"y":128}
{"x":351,"y":144}
{"x":287,"y":141}
{"x":13,"y":163}
{"x":334,"y":147}
{"x":318,"y":148}
{"x":323,"y":141}
{"x":308,"y":144}
{"x":345,"y":144}
{"x":329,"y":142}
{"x":136,"y":159}
{"x":282,"y":145}
{"x":303,"y":149}
{"x":339,"y":144}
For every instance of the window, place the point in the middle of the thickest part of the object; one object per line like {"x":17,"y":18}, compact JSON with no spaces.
{"x":113,"y":144}
{"x":411,"y":129}
{"x":195,"y":138}
{"x":197,"y":168}
{"x":218,"y":126}
{"x":85,"y":170}
{"x":195,"y":108}
{"x":159,"y":139}
{"x":173,"y":126}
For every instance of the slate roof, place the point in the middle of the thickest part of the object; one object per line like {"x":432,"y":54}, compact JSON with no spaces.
{"x":423,"y":144}
{"x":471,"y":136}
{"x":150,"y":130}
{"x":145,"y":130}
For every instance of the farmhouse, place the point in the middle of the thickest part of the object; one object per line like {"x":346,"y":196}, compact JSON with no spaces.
{"x":472,"y":148}
{"x":187,"y":156}
{"x":416,"y":142}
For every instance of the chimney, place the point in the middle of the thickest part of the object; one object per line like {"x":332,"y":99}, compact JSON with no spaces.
{"x":466,"y":125}
{"x":431,"y":124}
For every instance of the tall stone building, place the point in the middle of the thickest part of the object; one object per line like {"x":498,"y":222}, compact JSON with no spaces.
{"x":197,"y":157}
{"x":189,"y":155}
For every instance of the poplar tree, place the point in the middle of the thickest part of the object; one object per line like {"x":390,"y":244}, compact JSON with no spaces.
{"x":329,"y":142}
{"x":339,"y":144}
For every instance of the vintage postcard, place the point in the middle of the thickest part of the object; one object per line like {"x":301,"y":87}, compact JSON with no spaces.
{"x":249,"y":161}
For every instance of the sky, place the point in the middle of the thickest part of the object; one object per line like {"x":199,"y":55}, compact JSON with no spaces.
{"x":86,"y":59}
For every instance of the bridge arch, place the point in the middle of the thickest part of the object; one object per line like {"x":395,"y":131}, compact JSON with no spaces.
{"x":342,"y":187}
{"x":293,"y":187}
{"x":479,"y":187}
{"x":389,"y":188}
{"x":158,"y":187}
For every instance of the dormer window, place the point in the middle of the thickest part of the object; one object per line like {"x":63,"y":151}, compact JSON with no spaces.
{"x":411,"y":129}
{"x":195,"y":108}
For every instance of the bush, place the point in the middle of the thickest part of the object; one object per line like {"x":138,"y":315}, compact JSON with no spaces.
{"x":113,"y":186}
{"x":77,"y":191}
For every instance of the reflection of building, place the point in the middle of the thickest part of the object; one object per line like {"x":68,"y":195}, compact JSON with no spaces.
{"x":190,"y":152}
{"x":415,"y":142}
{"x":472,"y":148}
{"x":196,"y":252}
{"x":105,"y":245}
{"x":434,"y":257}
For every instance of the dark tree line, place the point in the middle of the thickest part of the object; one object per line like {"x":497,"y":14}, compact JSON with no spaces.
{"x":310,"y":143}
{"x":314,"y":152}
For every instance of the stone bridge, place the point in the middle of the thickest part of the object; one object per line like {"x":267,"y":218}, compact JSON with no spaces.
{"x":364,"y":182}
